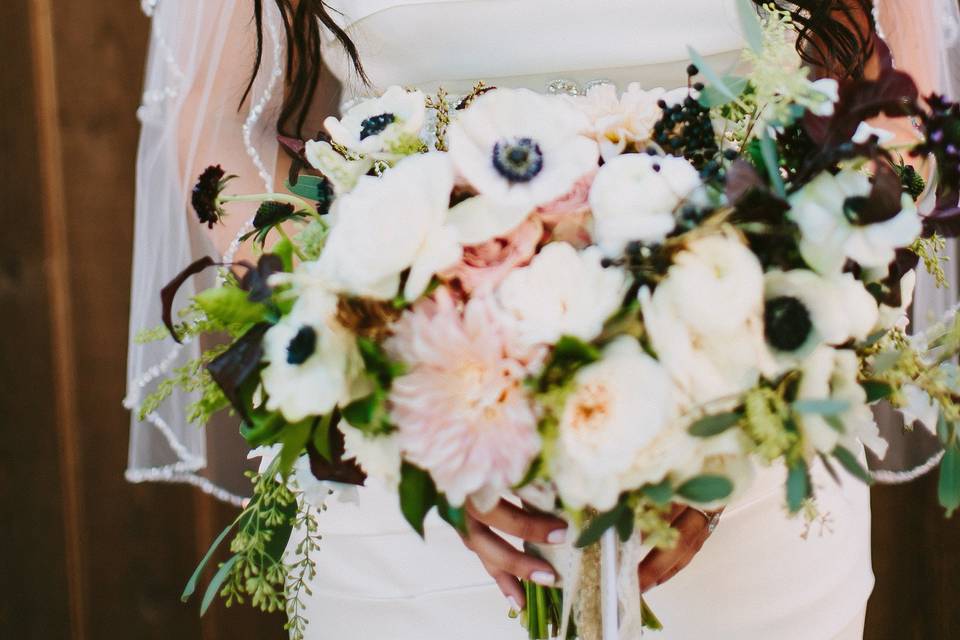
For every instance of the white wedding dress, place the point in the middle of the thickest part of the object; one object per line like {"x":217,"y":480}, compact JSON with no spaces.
{"x":762,"y":575}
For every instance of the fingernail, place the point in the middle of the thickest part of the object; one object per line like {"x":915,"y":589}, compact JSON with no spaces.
{"x":543,"y":578}
{"x":557,"y":537}
{"x":514,"y":606}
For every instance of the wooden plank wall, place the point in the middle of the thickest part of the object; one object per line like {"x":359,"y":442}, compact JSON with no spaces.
{"x":85,"y":555}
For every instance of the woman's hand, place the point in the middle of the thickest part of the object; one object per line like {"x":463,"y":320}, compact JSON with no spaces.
{"x":502,"y":561}
{"x":661,"y":565}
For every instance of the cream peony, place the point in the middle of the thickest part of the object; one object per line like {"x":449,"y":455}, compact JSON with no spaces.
{"x":619,"y":413}
{"x":830,"y":234}
{"x":705,"y":320}
{"x":618,"y":121}
{"x":390,"y":224}
{"x":561,"y":292}
{"x":831,"y":374}
{"x":520,"y":149}
{"x":634,"y":197}
{"x":312,"y":362}
{"x":805,"y":310}
{"x":389,"y":125}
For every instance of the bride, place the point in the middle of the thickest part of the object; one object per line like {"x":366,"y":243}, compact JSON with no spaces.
{"x":749,"y":573}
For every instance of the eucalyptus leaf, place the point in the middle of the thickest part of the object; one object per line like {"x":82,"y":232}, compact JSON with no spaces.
{"x":849,"y":461}
{"x":599,"y":525}
{"x":750,"y":23}
{"x":716,"y":81}
{"x":706,"y":488}
{"x":418,"y":494}
{"x":825,"y":407}
{"x":710,"y":426}
{"x":195,"y":578}
{"x":218,"y":579}
{"x":798,"y":485}
{"x":949,"y":486}
{"x":876,"y":390}
{"x":771,"y":160}
{"x":661,"y":493}
{"x":309,"y":187}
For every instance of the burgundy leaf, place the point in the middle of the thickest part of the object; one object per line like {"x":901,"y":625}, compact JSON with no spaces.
{"x":741,"y":178}
{"x":884,"y":201}
{"x":255,"y":280}
{"x":944,"y":222}
{"x":231,"y":369}
{"x":169,"y":292}
{"x":337,"y":469}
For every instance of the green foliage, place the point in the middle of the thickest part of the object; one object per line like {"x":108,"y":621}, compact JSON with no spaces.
{"x":949,"y":484}
{"x":230,"y":306}
{"x":714,"y":425}
{"x":190,"y":378}
{"x":599,"y":524}
{"x":302,"y":570}
{"x":930,"y":250}
{"x":767,"y":424}
{"x":851,"y":464}
{"x":799,"y":487}
{"x":369,"y":414}
{"x":704,"y":489}
{"x":312,"y":239}
{"x":418,"y":494}
{"x":569,"y":355}
{"x":258,"y":573}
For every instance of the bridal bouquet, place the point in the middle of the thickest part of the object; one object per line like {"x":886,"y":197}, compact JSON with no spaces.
{"x":603,"y":303}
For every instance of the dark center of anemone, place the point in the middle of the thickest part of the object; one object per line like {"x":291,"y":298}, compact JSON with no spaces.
{"x":302,"y":346}
{"x":787,"y":323}
{"x":376,"y":124}
{"x":854,"y":208}
{"x":518,"y":160}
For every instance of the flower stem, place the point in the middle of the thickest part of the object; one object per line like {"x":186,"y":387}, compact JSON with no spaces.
{"x":276,"y":197}
{"x":296,"y":249}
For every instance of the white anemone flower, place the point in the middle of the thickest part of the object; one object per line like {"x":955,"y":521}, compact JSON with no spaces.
{"x":611,"y":437}
{"x":378,"y":455}
{"x":390,"y":224}
{"x":805,"y":310}
{"x":312,"y":361}
{"x":620,"y":120}
{"x":342,"y":173}
{"x":389,"y":124}
{"x":562,"y":292}
{"x":634,"y":197}
{"x":899,"y":317}
{"x":522,"y":149}
{"x":831,"y":374}
{"x":830,"y":233}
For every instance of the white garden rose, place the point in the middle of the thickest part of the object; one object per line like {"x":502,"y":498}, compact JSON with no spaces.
{"x":617,"y":121}
{"x":562,"y":292}
{"x":831,"y":374}
{"x":390,"y":224}
{"x":387,"y":125}
{"x":805,"y":310}
{"x":521,"y":149}
{"x":634,"y":198}
{"x":615,"y":422}
{"x":705,"y":320}
{"x":342,"y":173}
{"x":312,"y":361}
{"x":830,"y":233}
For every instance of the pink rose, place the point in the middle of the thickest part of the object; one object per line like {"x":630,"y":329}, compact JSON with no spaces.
{"x":567,"y":218}
{"x":484,"y":266}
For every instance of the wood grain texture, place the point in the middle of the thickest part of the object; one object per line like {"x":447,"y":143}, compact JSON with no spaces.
{"x":34,"y":592}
